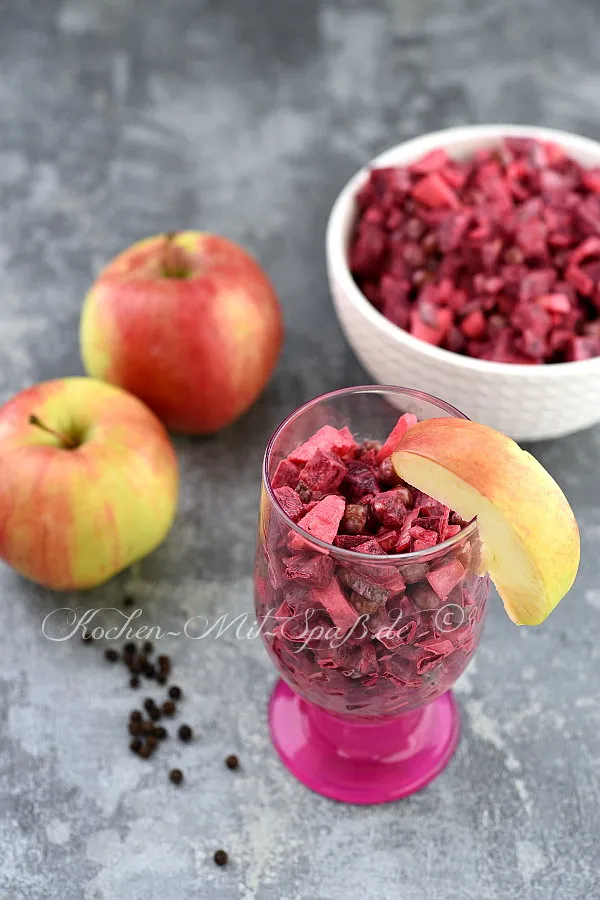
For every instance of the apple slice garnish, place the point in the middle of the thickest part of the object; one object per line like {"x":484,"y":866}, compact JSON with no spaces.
{"x":528,"y":530}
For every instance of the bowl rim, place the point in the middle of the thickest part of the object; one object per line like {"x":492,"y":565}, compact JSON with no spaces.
{"x":414,"y":148}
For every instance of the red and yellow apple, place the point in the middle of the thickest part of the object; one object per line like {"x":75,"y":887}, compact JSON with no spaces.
{"x":528,"y":530}
{"x":88,"y":482}
{"x":189,"y":323}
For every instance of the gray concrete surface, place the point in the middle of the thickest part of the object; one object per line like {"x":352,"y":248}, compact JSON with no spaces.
{"x":119,"y":119}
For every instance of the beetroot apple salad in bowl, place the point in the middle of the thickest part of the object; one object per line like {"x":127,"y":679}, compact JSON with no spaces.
{"x":384,"y":513}
{"x":467,"y":263}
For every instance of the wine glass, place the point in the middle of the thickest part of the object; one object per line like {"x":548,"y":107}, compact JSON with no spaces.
{"x":366,"y":649}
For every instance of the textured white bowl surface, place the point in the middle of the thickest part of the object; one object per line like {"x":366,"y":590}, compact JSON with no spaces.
{"x":526,"y":402}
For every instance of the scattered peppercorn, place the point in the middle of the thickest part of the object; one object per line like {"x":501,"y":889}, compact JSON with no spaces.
{"x":151,"y":741}
{"x":111,"y":655}
{"x":164,"y":664}
{"x":168,"y":708}
{"x":147,"y":727}
{"x":128,"y":600}
{"x":232,"y":762}
{"x":146,"y":751}
{"x":148,"y":670}
{"x":176,"y":776}
{"x":221,"y":858}
{"x":136,"y":745}
{"x":134,"y":682}
{"x":162,"y":679}
{"x":160,"y":733}
{"x":135,"y":728}
{"x":185,"y":733}
{"x":148,"y":648}
{"x":175,"y":692}
{"x":135,"y":715}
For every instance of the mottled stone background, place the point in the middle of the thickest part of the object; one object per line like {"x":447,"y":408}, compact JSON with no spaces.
{"x":119,"y":118}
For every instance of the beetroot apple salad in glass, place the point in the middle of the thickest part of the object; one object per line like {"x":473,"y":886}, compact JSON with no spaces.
{"x":369,"y":591}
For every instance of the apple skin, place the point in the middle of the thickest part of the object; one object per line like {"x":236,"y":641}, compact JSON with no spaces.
{"x":199,"y":349}
{"x":512,"y":495}
{"x":73,"y":518}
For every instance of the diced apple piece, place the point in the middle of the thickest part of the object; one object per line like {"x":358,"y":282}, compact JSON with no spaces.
{"x":327,"y":438}
{"x":333,"y":600}
{"x":529,"y":533}
{"x":321,"y":522}
{"x":398,"y":431}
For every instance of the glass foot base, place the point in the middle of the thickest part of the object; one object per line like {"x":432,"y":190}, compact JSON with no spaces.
{"x":362,"y":762}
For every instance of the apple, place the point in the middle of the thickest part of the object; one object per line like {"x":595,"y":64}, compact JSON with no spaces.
{"x":88,"y":482}
{"x":528,"y":530}
{"x":189,"y":323}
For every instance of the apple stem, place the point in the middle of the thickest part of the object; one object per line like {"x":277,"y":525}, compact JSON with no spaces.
{"x":174,"y":263}
{"x":67,"y":442}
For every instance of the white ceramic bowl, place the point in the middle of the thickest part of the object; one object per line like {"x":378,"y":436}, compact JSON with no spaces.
{"x":526,"y":402}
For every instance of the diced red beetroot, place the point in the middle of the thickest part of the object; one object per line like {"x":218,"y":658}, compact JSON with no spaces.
{"x":387,"y":539}
{"x":582,"y":348}
{"x":405,"y":422}
{"x":324,"y":471}
{"x":368,"y":252}
{"x":322,"y":522}
{"x":442,"y":647}
{"x":335,"y":440}
{"x":452,"y":230}
{"x":588,"y":248}
{"x":349,"y":541}
{"x":431,"y":334}
{"x":555,"y":303}
{"x":474,"y":325}
{"x":286,"y":474}
{"x":387,"y":473}
{"x":591,"y":179}
{"x":444,"y":579}
{"x":431,"y":523}
{"x":403,"y":544}
{"x":424,"y":536}
{"x":315,"y":569}
{"x":431,"y":162}
{"x":371,"y":546}
{"x":419,"y":544}
{"x":434,"y":192}
{"x":587,"y":215}
{"x":400,"y":670}
{"x":451,"y":530}
{"x":290,"y":502}
{"x":360,"y":481}
{"x":580,"y":281}
{"x":390,"y":507}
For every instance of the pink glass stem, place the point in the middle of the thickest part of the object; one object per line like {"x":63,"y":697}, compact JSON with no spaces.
{"x":360,"y":761}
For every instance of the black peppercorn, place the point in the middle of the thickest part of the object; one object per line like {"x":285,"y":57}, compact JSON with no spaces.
{"x":185,"y":733}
